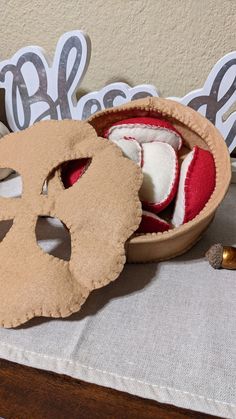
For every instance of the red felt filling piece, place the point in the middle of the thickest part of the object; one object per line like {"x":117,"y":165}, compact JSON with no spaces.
{"x":73,"y":170}
{"x":200,"y":182}
{"x":150,"y":223}
{"x":197,"y":183}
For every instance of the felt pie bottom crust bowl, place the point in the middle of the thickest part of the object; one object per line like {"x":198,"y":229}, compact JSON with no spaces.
{"x":195,"y":130}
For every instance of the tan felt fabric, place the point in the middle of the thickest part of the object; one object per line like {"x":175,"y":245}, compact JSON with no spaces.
{"x":101,"y":211}
{"x":195,"y":130}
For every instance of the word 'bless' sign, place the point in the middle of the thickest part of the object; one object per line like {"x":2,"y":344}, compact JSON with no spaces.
{"x":36,"y":90}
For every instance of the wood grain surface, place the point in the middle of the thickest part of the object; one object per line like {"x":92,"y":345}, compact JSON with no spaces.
{"x":28,"y":393}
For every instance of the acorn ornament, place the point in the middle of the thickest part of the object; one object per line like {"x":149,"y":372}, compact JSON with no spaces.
{"x":220,"y":256}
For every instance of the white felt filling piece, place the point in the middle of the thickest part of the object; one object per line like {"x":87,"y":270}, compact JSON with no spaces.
{"x":155,"y":217}
{"x":131,"y":149}
{"x":145,"y":134}
{"x":179,"y":211}
{"x":159,"y":172}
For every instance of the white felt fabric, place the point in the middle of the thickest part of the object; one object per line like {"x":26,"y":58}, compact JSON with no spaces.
{"x":159,"y":172}
{"x":131,"y":149}
{"x":162,"y":331}
{"x":145,"y":133}
{"x":179,"y":211}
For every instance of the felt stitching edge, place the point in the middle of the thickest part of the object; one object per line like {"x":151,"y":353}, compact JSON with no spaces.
{"x":139,"y":146}
{"x":113,"y":274}
{"x":187,"y":120}
{"x":147,"y":126}
{"x":151,"y":215}
{"x":177,"y":253}
{"x":170,"y":193}
{"x":187,"y":183}
{"x":146,"y":383}
{"x":121,"y":244}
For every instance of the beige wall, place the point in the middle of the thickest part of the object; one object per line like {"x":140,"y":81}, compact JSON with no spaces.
{"x":172,"y":44}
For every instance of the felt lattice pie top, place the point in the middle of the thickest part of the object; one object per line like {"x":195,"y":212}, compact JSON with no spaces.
{"x":101,"y":211}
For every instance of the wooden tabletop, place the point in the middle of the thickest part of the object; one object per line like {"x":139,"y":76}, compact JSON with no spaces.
{"x":28,"y":393}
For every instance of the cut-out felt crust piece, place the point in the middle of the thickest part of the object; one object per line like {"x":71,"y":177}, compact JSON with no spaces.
{"x":100,"y":221}
{"x":151,"y":223}
{"x":197,"y":183}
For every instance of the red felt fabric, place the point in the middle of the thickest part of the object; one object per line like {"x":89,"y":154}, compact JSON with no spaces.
{"x":152,"y":224}
{"x":73,"y":170}
{"x":156,"y":122}
{"x":161,"y":123}
{"x":199,"y":183}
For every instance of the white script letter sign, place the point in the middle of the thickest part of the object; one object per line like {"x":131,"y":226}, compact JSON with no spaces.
{"x":217,"y":99}
{"x":36,"y":89}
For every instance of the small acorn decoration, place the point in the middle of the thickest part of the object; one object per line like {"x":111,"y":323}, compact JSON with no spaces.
{"x":220,"y":256}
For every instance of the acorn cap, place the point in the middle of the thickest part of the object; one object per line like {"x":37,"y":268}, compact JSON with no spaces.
{"x":215,"y":255}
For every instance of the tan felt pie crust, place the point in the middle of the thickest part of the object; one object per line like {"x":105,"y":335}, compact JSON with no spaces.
{"x":101,"y":211}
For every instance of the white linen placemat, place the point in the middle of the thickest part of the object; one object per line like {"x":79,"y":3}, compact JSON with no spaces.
{"x":162,"y":331}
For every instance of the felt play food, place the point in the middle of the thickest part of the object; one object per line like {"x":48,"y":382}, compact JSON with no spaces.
{"x":145,"y":130}
{"x":151,"y":223}
{"x":131,"y":149}
{"x":151,"y":143}
{"x":197,"y":182}
{"x":4,"y":172}
{"x":101,"y":211}
{"x":195,"y":130}
{"x":160,"y":180}
{"x":160,"y":175}
{"x":160,"y":169}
